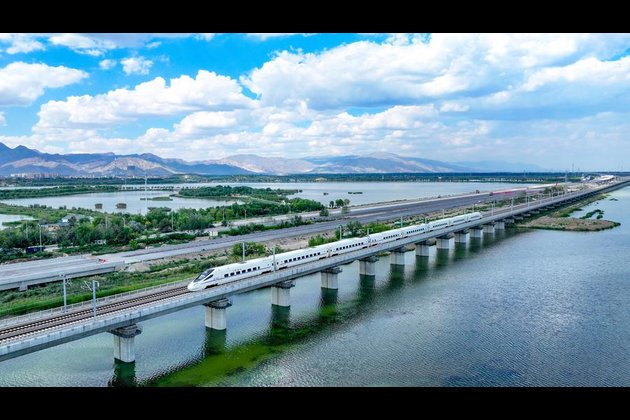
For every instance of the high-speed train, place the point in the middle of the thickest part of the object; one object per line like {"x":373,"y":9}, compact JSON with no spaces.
{"x":242,"y":270}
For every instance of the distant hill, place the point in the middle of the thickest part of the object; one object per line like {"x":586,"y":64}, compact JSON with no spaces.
{"x":24,"y":160}
{"x":21,"y":160}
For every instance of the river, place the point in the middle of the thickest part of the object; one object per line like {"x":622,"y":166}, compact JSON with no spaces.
{"x":520,"y":308}
{"x":372,"y":192}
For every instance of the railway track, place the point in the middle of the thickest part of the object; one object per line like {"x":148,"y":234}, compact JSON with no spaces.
{"x":26,"y":328}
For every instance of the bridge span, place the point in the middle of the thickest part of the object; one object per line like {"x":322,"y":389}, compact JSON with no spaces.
{"x":120,"y":314}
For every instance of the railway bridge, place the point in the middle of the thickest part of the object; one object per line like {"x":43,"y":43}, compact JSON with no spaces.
{"x":120,"y":314}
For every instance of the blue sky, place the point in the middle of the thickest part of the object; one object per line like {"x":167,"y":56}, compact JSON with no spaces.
{"x":553,"y":100}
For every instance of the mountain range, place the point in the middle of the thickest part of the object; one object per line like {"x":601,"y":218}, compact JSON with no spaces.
{"x":22,"y":160}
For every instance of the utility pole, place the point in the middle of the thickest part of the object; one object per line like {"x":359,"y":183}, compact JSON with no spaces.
{"x":146,"y":197}
{"x":95,"y":284}
{"x":340,"y":232}
{"x":64,"y":279}
{"x":274,"y":258}
{"x":172,"y":221}
{"x":40,"y":237}
{"x":401,"y":222}
{"x":243,"y":243}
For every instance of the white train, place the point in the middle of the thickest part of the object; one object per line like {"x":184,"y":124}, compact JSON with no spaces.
{"x":238,"y":271}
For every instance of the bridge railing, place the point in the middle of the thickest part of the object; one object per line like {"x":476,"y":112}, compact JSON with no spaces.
{"x":74,"y":307}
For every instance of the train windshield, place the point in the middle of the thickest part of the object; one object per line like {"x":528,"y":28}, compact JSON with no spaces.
{"x":203,"y":275}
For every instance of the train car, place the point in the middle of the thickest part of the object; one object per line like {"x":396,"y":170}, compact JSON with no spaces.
{"x":458,"y":220}
{"x":384,"y":237}
{"x":439,"y":224}
{"x":414,"y":230}
{"x":231,"y":272}
{"x":474,"y":216}
{"x":348,"y":245}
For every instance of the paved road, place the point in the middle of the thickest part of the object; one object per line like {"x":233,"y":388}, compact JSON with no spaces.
{"x":76,"y":266}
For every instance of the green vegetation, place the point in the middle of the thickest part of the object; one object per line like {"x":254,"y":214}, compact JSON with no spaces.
{"x":45,"y":214}
{"x":56,"y":191}
{"x":598,"y":212}
{"x":251,"y":248}
{"x":538,"y":177}
{"x":228,"y":192}
{"x":320,"y":240}
{"x":13,"y":302}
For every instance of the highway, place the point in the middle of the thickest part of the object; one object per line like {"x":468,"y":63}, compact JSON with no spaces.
{"x":22,"y":275}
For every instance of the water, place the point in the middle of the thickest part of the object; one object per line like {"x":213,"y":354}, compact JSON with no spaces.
{"x":133,"y":199}
{"x":373,"y":192}
{"x":529,"y":308}
{"x":11,"y":218}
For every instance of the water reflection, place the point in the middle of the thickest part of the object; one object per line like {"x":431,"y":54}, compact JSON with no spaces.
{"x":124,"y":374}
{"x":215,"y":342}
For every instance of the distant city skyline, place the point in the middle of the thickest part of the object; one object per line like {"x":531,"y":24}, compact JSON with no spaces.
{"x":560,"y":101}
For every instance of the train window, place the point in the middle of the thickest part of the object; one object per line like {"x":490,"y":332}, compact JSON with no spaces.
{"x":226,"y":275}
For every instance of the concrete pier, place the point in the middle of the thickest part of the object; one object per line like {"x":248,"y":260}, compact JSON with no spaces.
{"x":446,"y":241}
{"x":499,"y":225}
{"x":281,"y":293}
{"x":423,"y":249}
{"x":476,"y":232}
{"x":488,"y":228}
{"x":329,"y":278}
{"x":397,"y":256}
{"x":367,"y":266}
{"x":462,"y":236}
{"x":124,"y":349}
{"x":216,"y":317}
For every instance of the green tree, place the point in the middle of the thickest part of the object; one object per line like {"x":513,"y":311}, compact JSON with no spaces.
{"x":354,"y":227}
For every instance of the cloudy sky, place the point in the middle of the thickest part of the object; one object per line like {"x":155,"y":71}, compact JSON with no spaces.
{"x":553,"y":100}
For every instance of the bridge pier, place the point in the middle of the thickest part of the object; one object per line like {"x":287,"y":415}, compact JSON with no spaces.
{"x":462,"y":236}
{"x":329,"y":278}
{"x":216,"y":316}
{"x":499,"y":225}
{"x":488,"y":228}
{"x":124,"y":349}
{"x":423,"y":249}
{"x":367,"y":266}
{"x":397,"y":256}
{"x":281,"y":293}
{"x":446,"y":241}
{"x":476,"y":232}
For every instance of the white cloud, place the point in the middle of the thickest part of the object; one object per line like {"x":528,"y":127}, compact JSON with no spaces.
{"x":22,"y":83}
{"x":3,"y":120}
{"x":136,"y":65}
{"x":207,"y":91}
{"x":546,"y":99}
{"x":82,"y":43}
{"x":20,"y":43}
{"x":206,"y":36}
{"x":107,"y":64}
{"x":266,"y":36}
{"x":414,"y":69}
